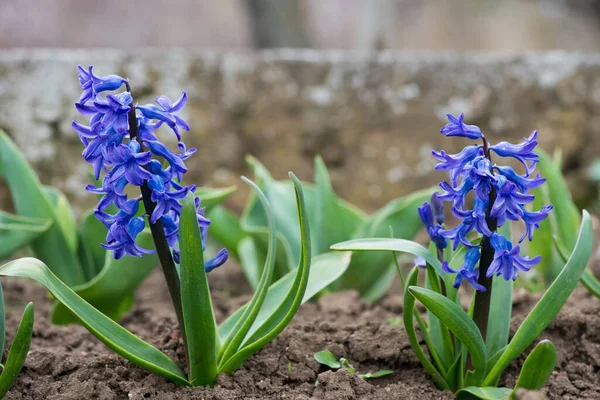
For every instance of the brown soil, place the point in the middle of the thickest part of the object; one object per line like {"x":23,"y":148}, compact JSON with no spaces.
{"x":69,"y":363}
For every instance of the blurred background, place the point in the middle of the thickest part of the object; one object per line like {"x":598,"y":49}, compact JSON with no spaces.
{"x":357,"y":81}
{"x":319,"y":24}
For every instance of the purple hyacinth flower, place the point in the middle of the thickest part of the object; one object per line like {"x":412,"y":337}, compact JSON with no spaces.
{"x":438,"y":208}
{"x":468,"y":270}
{"x":472,"y":219}
{"x":93,"y":84}
{"x":420,"y":262}
{"x":166,"y":112}
{"x":115,"y":109}
{"x":481,"y":177}
{"x":176,"y":164}
{"x":522,"y":152}
{"x":122,"y":217}
{"x":524,"y":184}
{"x":508,"y":200}
{"x":433,"y":230}
{"x":128,"y":162}
{"x":95,"y":152}
{"x":457,"y":127}
{"x":165,"y":199}
{"x":532,"y":221}
{"x":456,"y":195}
{"x":218,"y":260}
{"x":507,"y":259}
{"x":146,"y":128}
{"x":455,"y":163}
{"x":113,"y":194}
{"x":121,"y":239}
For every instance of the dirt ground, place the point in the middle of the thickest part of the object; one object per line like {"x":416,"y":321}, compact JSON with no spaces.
{"x":69,"y":363}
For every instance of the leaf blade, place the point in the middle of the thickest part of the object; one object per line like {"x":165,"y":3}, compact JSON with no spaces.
{"x":552,"y":301}
{"x":117,"y":338}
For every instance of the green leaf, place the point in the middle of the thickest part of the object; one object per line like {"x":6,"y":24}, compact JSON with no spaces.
{"x":281,"y":196}
{"x":30,"y":200}
{"x":398,"y":245}
{"x":93,"y":234}
{"x":458,"y":322}
{"x":111,"y":291}
{"x":2,"y":324}
{"x":591,"y":283}
{"x":440,"y":336}
{"x":483,"y":393}
{"x":564,"y":213}
{"x":120,"y":340}
{"x":367,"y":269}
{"x":245,"y":322}
{"x":333,"y":221}
{"x":225,"y":229}
{"x":587,"y":279}
{"x":377,"y":374}
{"x":326,"y":357}
{"x":500,"y":307}
{"x":198,"y":316}
{"x":18,"y":351}
{"x":409,"y":326}
{"x":251,"y":258}
{"x":538,"y":366}
{"x":282,"y":316}
{"x":17,"y":232}
{"x":552,"y":301}
{"x":324,"y":269}
{"x":65,"y":217}
{"x":211,"y":197}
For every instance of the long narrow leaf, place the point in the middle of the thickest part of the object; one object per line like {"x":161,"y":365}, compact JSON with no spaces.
{"x":211,"y":197}
{"x":117,"y":338}
{"x":111,"y":291}
{"x":398,"y":245}
{"x":552,"y":301}
{"x":324,"y":270}
{"x":199,"y":318}
{"x":459,"y":323}
{"x":30,"y":200}
{"x":2,"y":324}
{"x":18,"y":351}
{"x":286,"y":311}
{"x":225,"y":229}
{"x":241,"y":329}
{"x":17,"y":232}
{"x":538,"y":366}
{"x":483,"y":393}
{"x":408,"y":315}
{"x":93,"y":234}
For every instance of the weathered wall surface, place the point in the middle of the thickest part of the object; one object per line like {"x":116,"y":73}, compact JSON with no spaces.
{"x":374,"y":117}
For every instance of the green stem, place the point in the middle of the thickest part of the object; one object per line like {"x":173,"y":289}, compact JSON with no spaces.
{"x":481,"y":310}
{"x":160,"y":240}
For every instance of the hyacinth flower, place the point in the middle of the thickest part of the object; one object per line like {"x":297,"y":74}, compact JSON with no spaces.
{"x":147,"y":211}
{"x":468,"y":351}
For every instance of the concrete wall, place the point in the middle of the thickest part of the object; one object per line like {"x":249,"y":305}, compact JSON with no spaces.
{"x":374,"y":117}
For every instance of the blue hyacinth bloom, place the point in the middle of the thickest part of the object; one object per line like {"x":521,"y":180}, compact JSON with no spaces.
{"x":92,"y":85}
{"x":456,"y":127}
{"x":508,"y":260}
{"x":468,"y":270}
{"x":113,"y":150}
{"x":455,"y":163}
{"x":167,"y":113}
{"x":433,"y":229}
{"x":500,"y":196}
{"x":522,"y":152}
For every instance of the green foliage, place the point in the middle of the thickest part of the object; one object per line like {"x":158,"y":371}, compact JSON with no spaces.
{"x":46,"y":223}
{"x":327,"y":358}
{"x":475,"y":364}
{"x":332,"y":220}
{"x":19,"y":348}
{"x":211,"y":349}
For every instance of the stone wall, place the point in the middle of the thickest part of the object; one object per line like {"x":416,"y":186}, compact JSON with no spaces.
{"x":374,"y":117}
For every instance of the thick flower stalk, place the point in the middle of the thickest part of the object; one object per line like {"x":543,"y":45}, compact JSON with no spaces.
{"x":122,"y":146}
{"x":500,"y":195}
